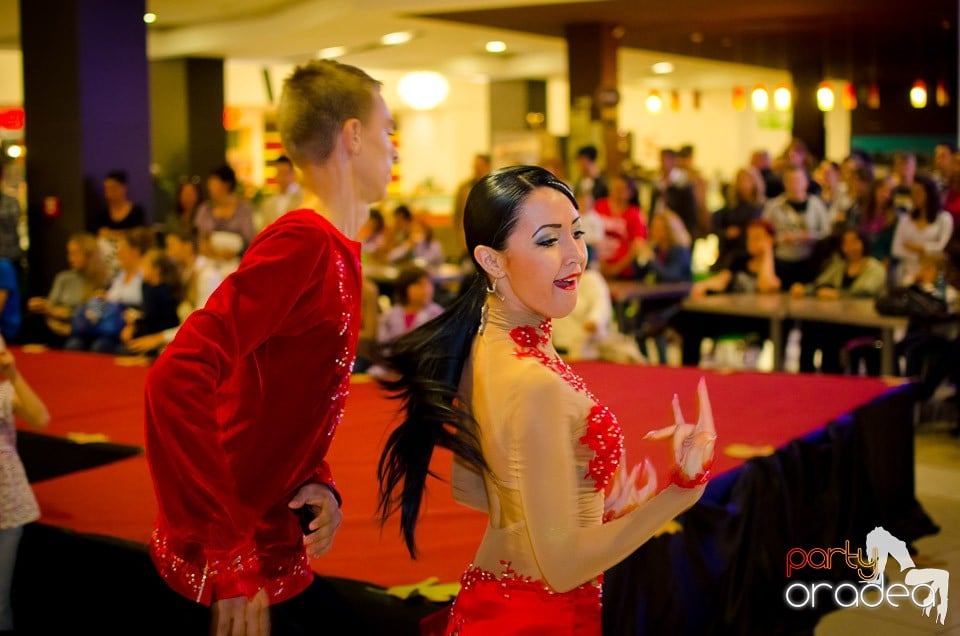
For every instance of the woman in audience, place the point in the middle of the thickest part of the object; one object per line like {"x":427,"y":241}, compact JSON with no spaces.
{"x":71,"y":287}
{"x":878,"y":219}
{"x":748,"y":273}
{"x":188,"y":199}
{"x":579,"y":334}
{"x":161,"y":297}
{"x":926,"y":229}
{"x":533,"y":448}
{"x":745,"y":204}
{"x":623,"y":226}
{"x":419,"y":246}
{"x":855,"y":274}
{"x":18,"y":506}
{"x":97,"y":323}
{"x":373,"y":237}
{"x":413,"y":307}
{"x":117,"y":216}
{"x":224,"y":211}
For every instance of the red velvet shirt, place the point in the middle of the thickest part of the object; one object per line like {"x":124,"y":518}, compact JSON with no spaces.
{"x":241,"y":408}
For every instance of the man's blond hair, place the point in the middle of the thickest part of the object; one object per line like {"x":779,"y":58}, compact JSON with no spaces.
{"x":318,"y":97}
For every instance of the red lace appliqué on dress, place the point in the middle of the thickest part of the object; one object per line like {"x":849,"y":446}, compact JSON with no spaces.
{"x":603,"y":435}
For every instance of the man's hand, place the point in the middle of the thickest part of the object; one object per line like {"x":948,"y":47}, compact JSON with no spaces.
{"x":241,"y":617}
{"x":326,"y":517}
{"x":147,"y":343}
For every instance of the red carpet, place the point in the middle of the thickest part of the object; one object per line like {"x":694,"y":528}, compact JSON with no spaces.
{"x":92,"y":394}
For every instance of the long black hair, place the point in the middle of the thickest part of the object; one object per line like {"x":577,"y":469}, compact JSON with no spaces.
{"x":429,"y":360}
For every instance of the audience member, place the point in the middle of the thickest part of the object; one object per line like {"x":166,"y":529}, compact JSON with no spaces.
{"x":578,"y":335}
{"x":118,"y":215}
{"x":10,"y":216}
{"x":854,"y":274}
{"x":71,"y":287}
{"x":673,"y":190}
{"x":591,"y":177}
{"x":373,"y":237}
{"x":744,"y":204}
{"x":904,"y":175}
{"x":289,"y":194}
{"x":623,"y":226}
{"x":926,"y":229}
{"x":413,"y":305}
{"x":800,"y":221}
{"x":188,"y":199}
{"x":224,"y":211}
{"x":419,"y":247}
{"x":10,"y":308}
{"x":773,"y":184}
{"x":752,"y":272}
{"x":481,"y":166}
{"x":878,"y":220}
{"x":162,"y":288}
{"x":96,"y":325}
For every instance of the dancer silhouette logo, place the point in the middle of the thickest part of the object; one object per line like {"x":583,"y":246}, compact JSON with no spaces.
{"x":926,"y":588}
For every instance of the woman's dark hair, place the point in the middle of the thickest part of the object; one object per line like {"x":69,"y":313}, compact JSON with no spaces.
{"x":226,"y":174}
{"x":407,"y":277}
{"x":120,"y":176}
{"x":861,"y":236}
{"x":169,"y":273}
{"x":402,"y":211}
{"x":931,"y":207}
{"x":195,"y":186}
{"x":377,"y":217}
{"x":429,"y":360}
{"x":873,"y":208}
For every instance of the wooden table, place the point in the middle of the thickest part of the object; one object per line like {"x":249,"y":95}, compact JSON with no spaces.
{"x":851,"y":311}
{"x":623,"y":292}
{"x":772,"y":307}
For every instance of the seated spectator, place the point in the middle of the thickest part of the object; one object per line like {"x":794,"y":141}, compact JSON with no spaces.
{"x":161,"y":296}
{"x":369,"y":323}
{"x":289,"y":194}
{"x":623,"y":226}
{"x":373,"y":237}
{"x":745,"y":204}
{"x":199,"y":278}
{"x":224,"y":211}
{"x":578,"y":335}
{"x":419,"y":248}
{"x":399,"y":233}
{"x":72,"y":287}
{"x":96,"y":325}
{"x":188,"y":199}
{"x":752,"y":272}
{"x":800,"y":221}
{"x":662,"y":258}
{"x":854,"y":274}
{"x":9,"y":301}
{"x":413,"y":305}
{"x":925,"y":230}
{"x":878,"y":220}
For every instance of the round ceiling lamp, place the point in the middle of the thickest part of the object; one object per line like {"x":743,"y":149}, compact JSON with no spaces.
{"x":760,"y":98}
{"x":423,"y":90}
{"x":918,"y":94}
{"x":782,"y":99}
{"x":825,"y":97}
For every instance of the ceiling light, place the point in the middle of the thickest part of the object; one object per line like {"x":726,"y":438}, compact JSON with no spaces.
{"x":399,"y":37}
{"x":760,"y":98}
{"x":918,"y":94}
{"x":782,"y":97}
{"x":739,"y":97}
{"x":662,"y":68}
{"x":496,"y":46}
{"x":825,"y":96}
{"x":15,"y":151}
{"x":149,"y":18}
{"x":654,"y":102}
{"x":849,"y":96}
{"x":331,"y":52}
{"x":873,"y":96}
{"x":423,"y":90}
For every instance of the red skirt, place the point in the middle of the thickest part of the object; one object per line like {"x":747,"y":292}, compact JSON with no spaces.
{"x":510,"y":605}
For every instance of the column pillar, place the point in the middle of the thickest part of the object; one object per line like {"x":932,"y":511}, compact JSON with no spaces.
{"x":87,"y":112}
{"x":592,"y":73}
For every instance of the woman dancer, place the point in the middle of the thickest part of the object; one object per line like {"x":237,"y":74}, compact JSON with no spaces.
{"x":534,"y":448}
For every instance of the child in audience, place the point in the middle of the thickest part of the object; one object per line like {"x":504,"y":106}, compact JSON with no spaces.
{"x":18,"y":506}
{"x":161,"y":297}
{"x":97,"y":324}
{"x":414,"y":305}
{"x":72,"y":287}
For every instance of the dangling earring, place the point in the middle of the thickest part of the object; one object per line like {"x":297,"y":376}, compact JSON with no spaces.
{"x":492,"y":289}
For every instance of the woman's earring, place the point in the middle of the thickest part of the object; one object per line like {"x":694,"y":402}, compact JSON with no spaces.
{"x":492,"y":289}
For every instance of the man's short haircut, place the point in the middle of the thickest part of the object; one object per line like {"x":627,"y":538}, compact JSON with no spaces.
{"x":318,"y":97}
{"x":949,"y":145}
{"x":190,"y":236}
{"x":283,"y":159}
{"x":120,"y":176}
{"x":590,"y":152}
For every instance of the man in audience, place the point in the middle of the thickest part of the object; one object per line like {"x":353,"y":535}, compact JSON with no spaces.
{"x":591,"y":176}
{"x":800,"y":220}
{"x":289,"y":194}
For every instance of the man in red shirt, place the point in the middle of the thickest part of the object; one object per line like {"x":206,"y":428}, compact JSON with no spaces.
{"x":242,"y":405}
